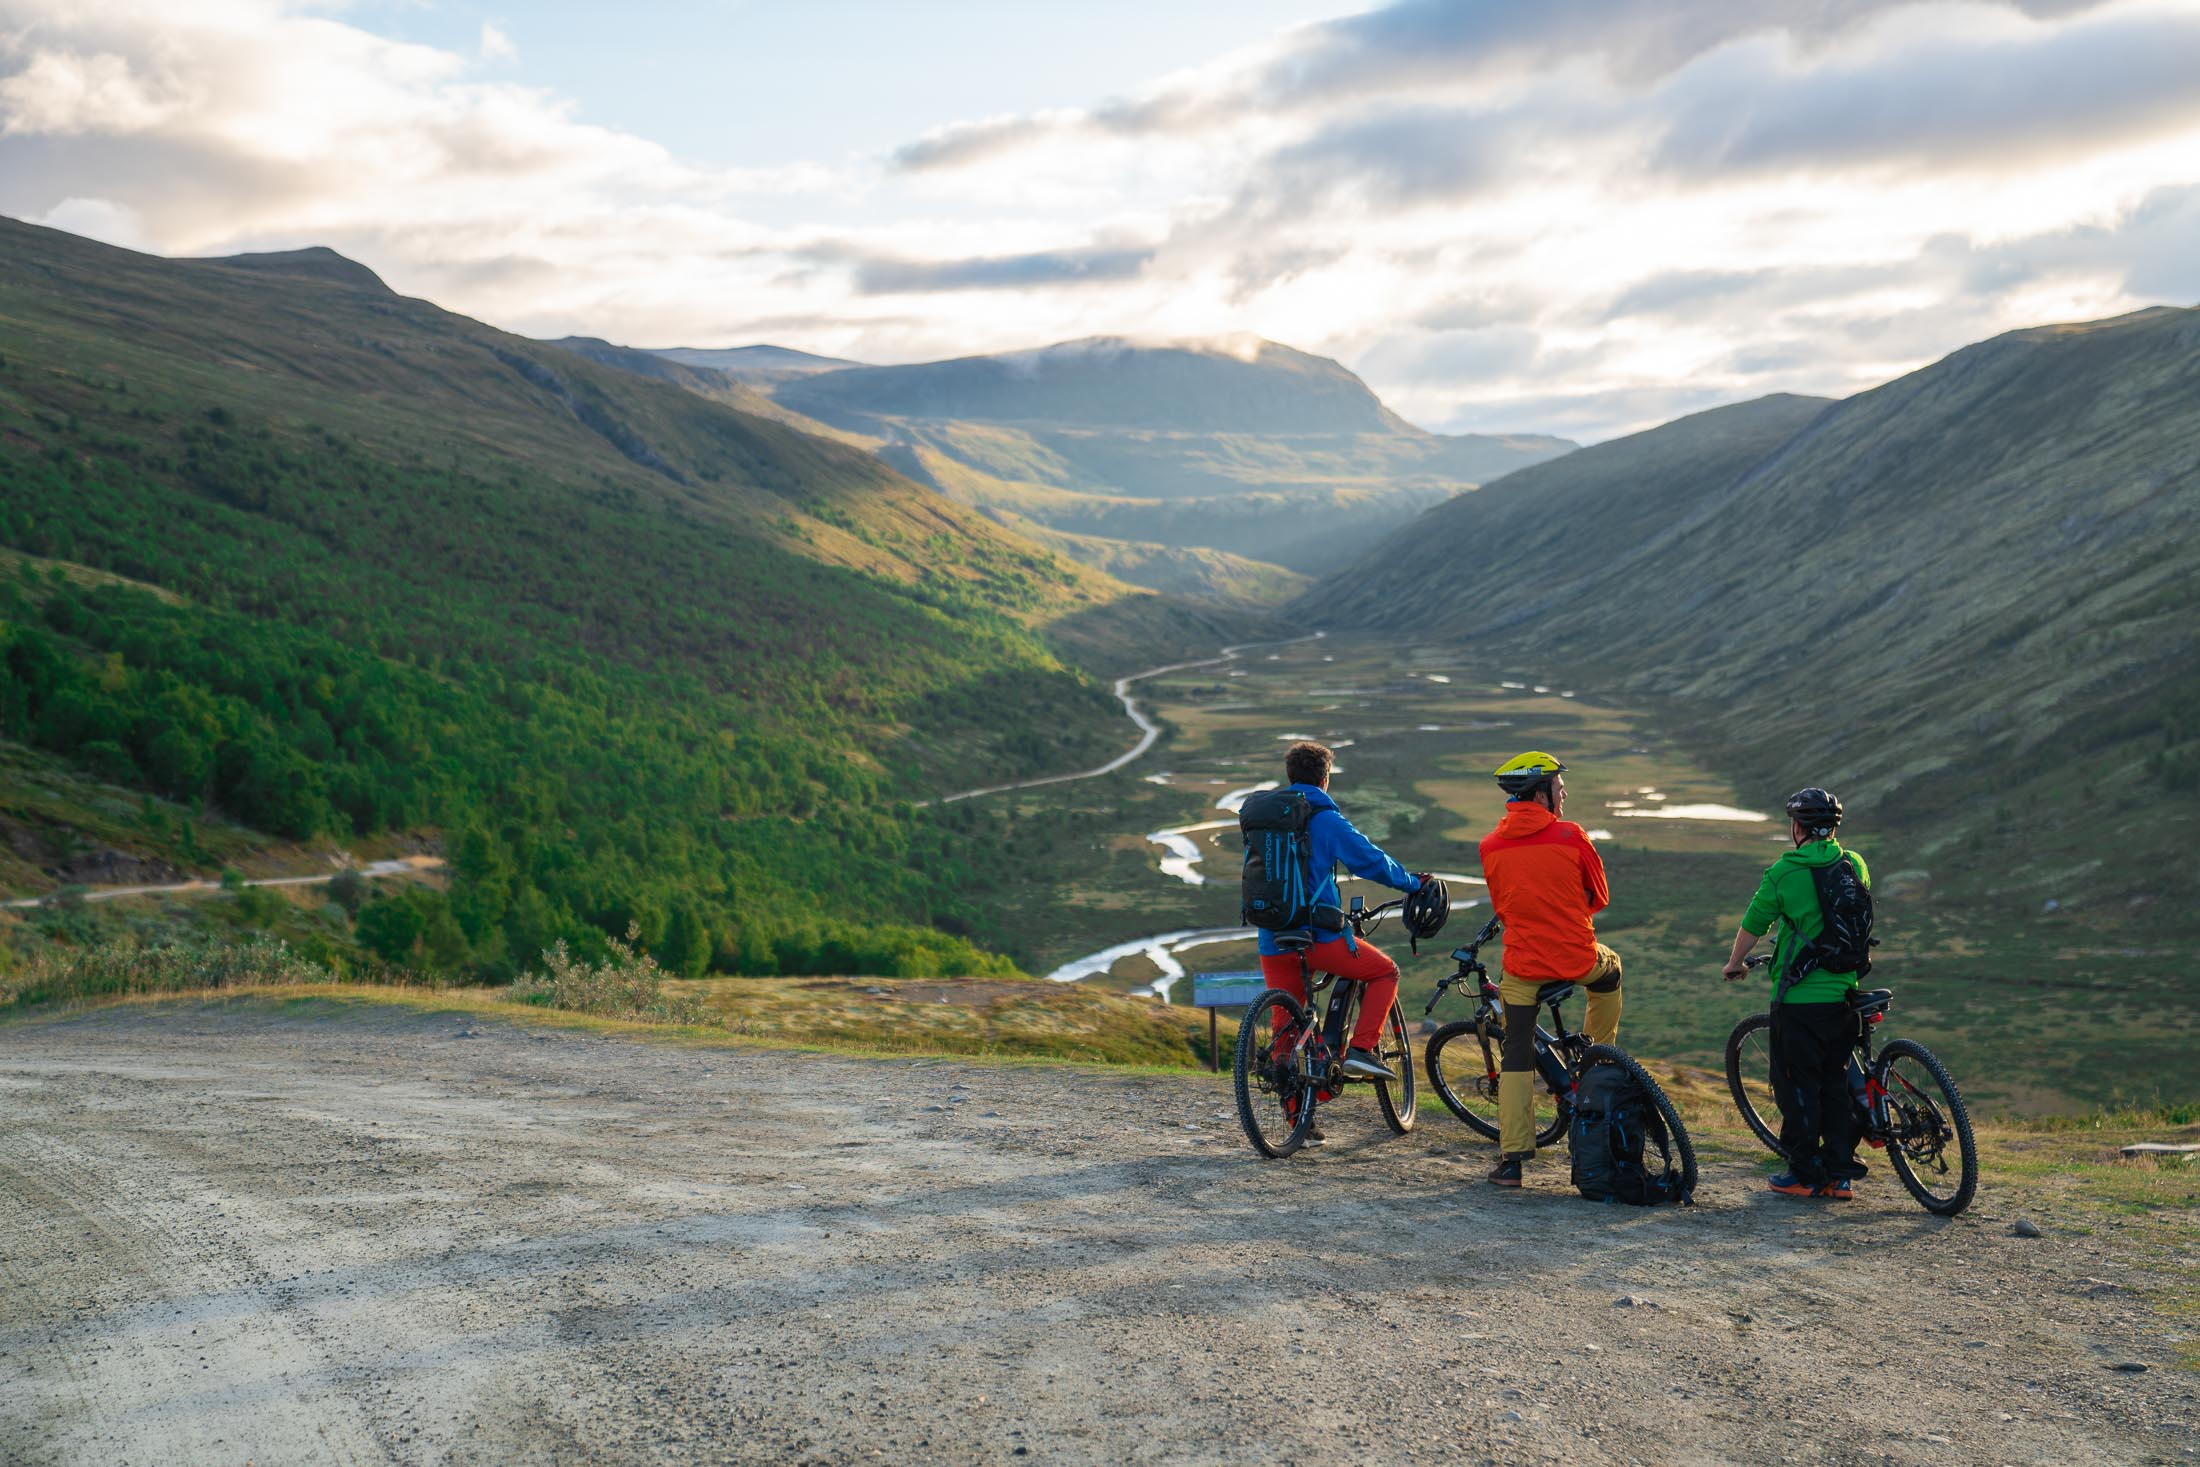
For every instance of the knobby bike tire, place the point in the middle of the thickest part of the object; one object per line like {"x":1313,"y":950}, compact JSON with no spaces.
{"x":1396,"y":1101}
{"x":1291,"y":1126}
{"x":1954,"y":1112}
{"x":1684,"y":1150}
{"x":1736,"y":1064}
{"x":1461,"y":1092}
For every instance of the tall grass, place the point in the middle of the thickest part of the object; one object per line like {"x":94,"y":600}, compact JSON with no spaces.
{"x":120,"y":968}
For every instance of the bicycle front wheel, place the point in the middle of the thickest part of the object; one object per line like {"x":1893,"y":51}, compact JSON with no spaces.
{"x":1672,"y":1153}
{"x":1397,"y":1055}
{"x":1463,"y":1062}
{"x":1274,"y":1105}
{"x":1926,"y":1120}
{"x":1749,"y":1077}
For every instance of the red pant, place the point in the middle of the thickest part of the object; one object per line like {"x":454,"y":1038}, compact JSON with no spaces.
{"x":1380,"y":974}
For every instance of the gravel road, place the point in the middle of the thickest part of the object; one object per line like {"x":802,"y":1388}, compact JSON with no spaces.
{"x":238,"y":1233}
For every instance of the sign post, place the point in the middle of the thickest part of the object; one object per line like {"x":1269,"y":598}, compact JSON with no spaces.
{"x":1212,"y":991}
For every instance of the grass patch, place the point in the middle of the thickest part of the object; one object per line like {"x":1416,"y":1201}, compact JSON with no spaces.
{"x":998,"y":1017}
{"x":129,"y":969}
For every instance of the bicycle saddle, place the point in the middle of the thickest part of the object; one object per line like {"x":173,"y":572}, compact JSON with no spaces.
{"x":1294,"y":942}
{"x":1554,"y":994}
{"x":1870,"y":1000}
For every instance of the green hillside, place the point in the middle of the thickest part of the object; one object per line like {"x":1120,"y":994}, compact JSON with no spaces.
{"x":1248,"y":449}
{"x":1965,"y":600}
{"x":1177,"y":570}
{"x":624,"y":653}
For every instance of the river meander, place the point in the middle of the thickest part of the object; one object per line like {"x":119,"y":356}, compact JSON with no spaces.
{"x":1418,"y":736}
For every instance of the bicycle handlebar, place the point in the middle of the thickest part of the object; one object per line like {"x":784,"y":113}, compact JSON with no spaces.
{"x":1362,"y":919}
{"x":1469,"y":959}
{"x":1758,"y":961}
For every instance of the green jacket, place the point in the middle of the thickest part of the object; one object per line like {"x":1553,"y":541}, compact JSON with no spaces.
{"x":1788,"y":893}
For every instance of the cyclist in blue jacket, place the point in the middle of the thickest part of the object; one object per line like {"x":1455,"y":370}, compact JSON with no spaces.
{"x":1332,"y":841}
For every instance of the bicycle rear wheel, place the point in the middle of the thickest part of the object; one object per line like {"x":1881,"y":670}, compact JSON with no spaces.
{"x":1463,"y":1067}
{"x":1274,"y":1105}
{"x":1749,"y":1077}
{"x":1396,"y":1100}
{"x":1672,"y":1152}
{"x":1925,"y":1116}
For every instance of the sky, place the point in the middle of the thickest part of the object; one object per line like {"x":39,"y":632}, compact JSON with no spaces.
{"x":1581,"y":217}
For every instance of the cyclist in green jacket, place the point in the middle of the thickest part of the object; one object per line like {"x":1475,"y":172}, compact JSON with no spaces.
{"x":1811,"y":1024}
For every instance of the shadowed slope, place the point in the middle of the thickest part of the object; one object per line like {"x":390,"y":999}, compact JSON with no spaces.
{"x":1964,"y":599}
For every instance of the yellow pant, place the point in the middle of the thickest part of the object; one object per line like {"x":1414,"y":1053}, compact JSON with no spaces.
{"x":1517,"y":1079}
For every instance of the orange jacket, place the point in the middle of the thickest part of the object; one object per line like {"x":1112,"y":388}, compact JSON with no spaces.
{"x":1546,"y":882}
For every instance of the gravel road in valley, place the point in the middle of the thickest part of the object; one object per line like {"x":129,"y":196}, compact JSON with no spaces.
{"x":241,"y":1233}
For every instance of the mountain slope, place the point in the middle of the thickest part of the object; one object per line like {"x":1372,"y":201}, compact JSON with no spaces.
{"x":635,"y":655}
{"x":1569,"y":520}
{"x":734,"y":389}
{"x":1246,"y":447}
{"x":1965,"y":600}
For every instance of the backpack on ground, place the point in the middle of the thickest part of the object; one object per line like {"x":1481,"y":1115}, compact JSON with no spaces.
{"x":1616,"y":1136}
{"x":1844,"y":942}
{"x":1277,"y":885}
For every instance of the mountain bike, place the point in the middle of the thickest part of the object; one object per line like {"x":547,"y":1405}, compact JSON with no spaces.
{"x":1289,"y":1066}
{"x":1464,"y":1058}
{"x":1911,"y":1108}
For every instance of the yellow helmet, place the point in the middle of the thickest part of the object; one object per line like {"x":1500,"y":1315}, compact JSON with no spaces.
{"x":1523,"y":774}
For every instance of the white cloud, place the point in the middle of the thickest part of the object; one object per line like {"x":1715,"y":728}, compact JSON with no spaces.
{"x":1578,"y":215}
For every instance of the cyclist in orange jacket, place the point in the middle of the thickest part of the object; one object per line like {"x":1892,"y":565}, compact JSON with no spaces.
{"x":1547,"y":885}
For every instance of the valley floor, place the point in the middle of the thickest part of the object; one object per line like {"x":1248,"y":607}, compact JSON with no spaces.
{"x":247,"y":1231}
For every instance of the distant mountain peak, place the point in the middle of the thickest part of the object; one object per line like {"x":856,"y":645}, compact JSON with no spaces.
{"x":1240,"y":346}
{"x":1226,"y":384}
{"x":758,"y":362}
{"x":314,"y":262}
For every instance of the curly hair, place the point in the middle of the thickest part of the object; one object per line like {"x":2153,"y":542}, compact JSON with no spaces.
{"x":1307,"y":763}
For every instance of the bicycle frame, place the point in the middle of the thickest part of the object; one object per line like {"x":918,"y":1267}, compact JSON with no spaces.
{"x":1557,"y":1056}
{"x":1868,"y":1084}
{"x":1332,"y":1031}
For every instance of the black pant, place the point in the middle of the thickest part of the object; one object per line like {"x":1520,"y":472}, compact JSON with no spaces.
{"x":1810,"y":1081}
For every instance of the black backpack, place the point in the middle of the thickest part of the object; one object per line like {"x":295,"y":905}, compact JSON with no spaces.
{"x":1277,"y":885}
{"x":1844,"y":942}
{"x":1611,"y":1138}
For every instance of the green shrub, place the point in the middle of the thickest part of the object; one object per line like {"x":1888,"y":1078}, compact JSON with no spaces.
{"x":626,"y":984}
{"x":348,"y":889}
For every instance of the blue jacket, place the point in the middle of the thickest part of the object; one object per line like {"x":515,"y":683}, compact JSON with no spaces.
{"x":1331,"y":839}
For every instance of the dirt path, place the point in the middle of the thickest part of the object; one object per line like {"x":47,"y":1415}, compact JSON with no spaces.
{"x":400,"y":866}
{"x":237,"y":1233}
{"x":1148,"y":731}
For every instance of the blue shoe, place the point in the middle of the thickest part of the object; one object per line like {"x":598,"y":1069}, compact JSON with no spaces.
{"x":1793,"y":1186}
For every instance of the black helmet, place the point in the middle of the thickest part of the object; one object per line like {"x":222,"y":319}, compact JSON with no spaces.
{"x":1427,"y":909}
{"x":1816,"y":810}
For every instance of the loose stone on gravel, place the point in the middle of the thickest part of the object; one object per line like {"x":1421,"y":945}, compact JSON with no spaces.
{"x":2024,"y":1227}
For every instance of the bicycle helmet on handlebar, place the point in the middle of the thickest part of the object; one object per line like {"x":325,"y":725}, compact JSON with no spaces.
{"x":1521,"y":776}
{"x":1427,"y":909}
{"x":1816,"y":810}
